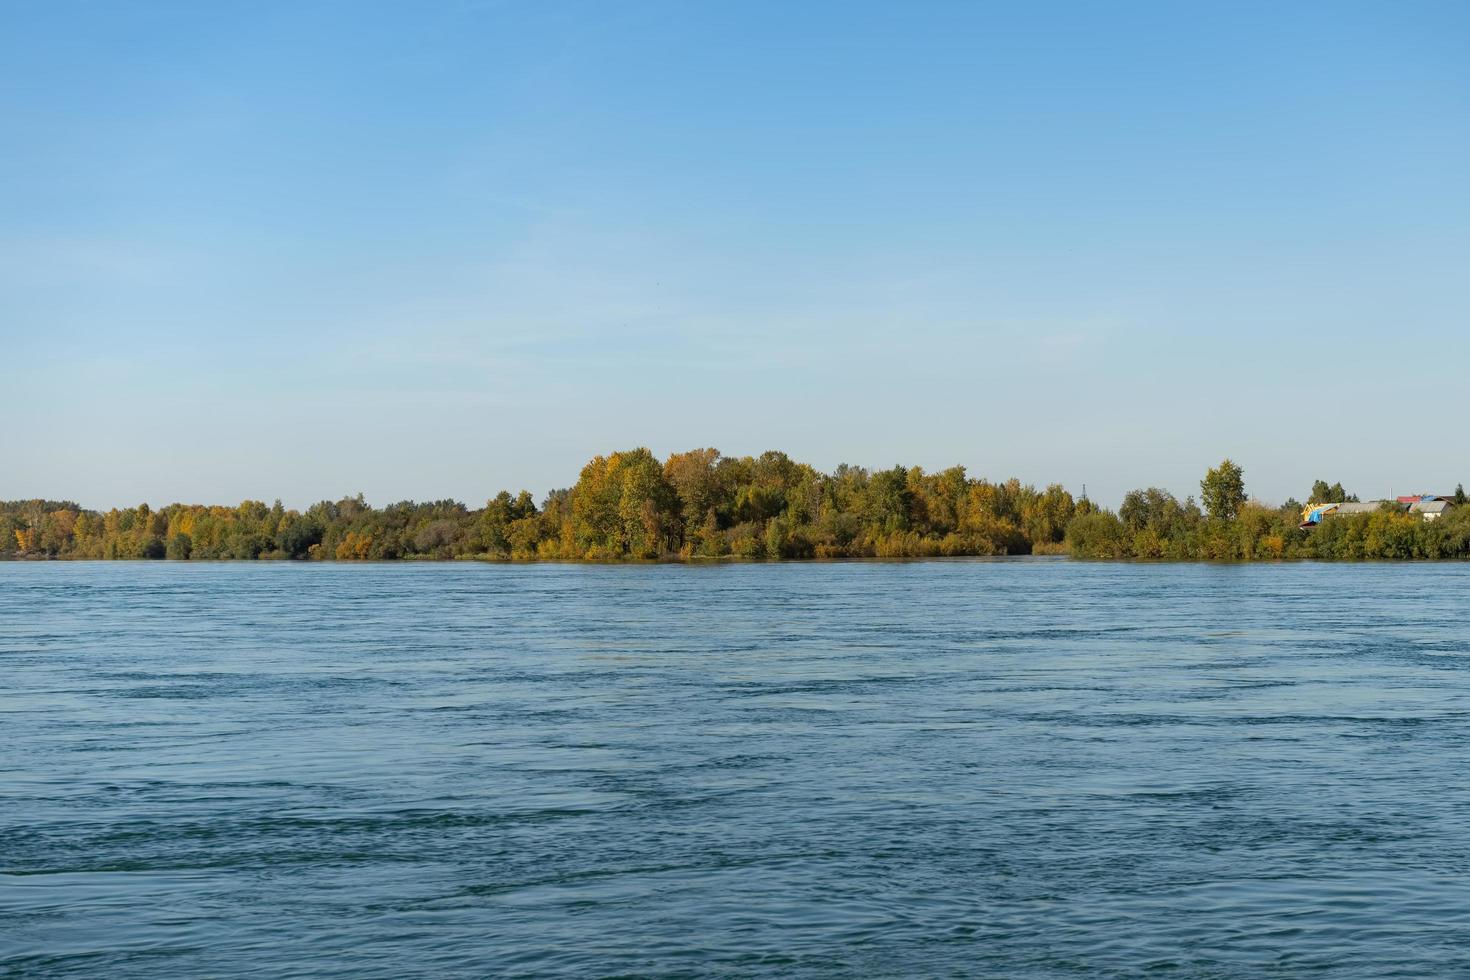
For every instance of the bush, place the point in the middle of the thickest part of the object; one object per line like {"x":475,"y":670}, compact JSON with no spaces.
{"x":1096,"y":535}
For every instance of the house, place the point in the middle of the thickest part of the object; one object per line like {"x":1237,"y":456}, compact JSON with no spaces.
{"x":1366,"y":507}
{"x":1431,"y":510}
{"x":1428,"y":506}
{"x":1312,"y":514}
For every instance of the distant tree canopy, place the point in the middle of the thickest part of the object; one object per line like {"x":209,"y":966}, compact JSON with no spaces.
{"x":625,"y":506}
{"x":1223,"y":491}
{"x":1334,"y":494}
{"x":700,"y":504}
{"x":1153,"y":524}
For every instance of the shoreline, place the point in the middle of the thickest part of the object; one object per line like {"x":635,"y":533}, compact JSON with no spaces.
{"x":705,"y":562}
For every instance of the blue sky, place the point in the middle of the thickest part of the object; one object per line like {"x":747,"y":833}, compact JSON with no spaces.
{"x":304,"y":249}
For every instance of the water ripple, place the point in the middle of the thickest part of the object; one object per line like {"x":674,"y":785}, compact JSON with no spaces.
{"x":1002,"y":768}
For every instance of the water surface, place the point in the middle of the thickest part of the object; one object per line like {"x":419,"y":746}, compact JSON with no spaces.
{"x":1012,"y":769}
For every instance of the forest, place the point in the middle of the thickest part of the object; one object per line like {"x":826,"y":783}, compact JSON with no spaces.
{"x":701,"y":505}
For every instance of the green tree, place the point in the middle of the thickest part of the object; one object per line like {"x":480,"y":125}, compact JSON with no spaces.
{"x":180,"y":546}
{"x":1097,"y":534}
{"x":297,"y":534}
{"x":889,"y":501}
{"x":1334,"y":494}
{"x":1048,"y":514}
{"x":623,"y":507}
{"x":1222,"y":491}
{"x":1154,"y":509}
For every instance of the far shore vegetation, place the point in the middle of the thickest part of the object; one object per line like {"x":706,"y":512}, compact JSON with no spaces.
{"x":631,"y":506}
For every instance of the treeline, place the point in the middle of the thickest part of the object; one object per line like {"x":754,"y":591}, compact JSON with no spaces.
{"x":1153,"y":524}
{"x":700,"y":504}
{"x":628,"y":505}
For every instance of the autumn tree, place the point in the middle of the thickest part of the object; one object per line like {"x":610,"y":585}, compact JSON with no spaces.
{"x":623,"y":507}
{"x":1045,"y":516}
{"x":698,"y":489}
{"x":179,"y":548}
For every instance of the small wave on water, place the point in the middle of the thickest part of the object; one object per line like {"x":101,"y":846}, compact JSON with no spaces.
{"x":920,"y":769}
